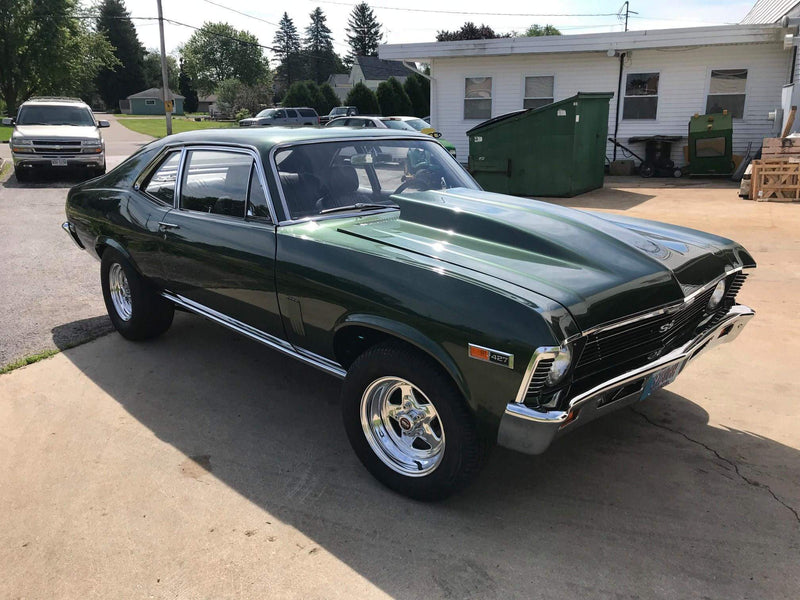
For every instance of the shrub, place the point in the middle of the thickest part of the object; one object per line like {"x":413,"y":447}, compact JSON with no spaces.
{"x":363,"y":99}
{"x":392,"y":98}
{"x":330,"y":98}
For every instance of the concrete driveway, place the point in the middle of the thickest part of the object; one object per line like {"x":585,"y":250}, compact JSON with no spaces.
{"x":202,"y":465}
{"x":45,"y":280}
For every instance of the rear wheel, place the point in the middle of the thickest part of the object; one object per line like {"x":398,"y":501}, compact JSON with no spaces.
{"x":409,"y":424}
{"x":136,"y":310}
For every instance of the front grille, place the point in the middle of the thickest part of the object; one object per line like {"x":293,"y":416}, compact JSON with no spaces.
{"x":613,"y":351}
{"x":56,"y":147}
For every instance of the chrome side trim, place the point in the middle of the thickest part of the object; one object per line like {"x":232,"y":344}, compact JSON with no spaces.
{"x":509,"y":364}
{"x":273,"y":342}
{"x":665,"y":309}
{"x":539,"y":354}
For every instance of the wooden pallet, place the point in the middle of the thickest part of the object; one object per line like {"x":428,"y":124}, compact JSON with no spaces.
{"x":775,"y":179}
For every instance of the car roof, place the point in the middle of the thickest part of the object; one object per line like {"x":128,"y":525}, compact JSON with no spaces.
{"x":55,"y":101}
{"x":265,"y":138}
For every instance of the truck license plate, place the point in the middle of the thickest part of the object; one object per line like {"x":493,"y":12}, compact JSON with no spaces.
{"x":659,"y":379}
{"x":59,"y":162}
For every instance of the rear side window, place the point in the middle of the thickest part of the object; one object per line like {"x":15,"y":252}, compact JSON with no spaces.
{"x":257,"y":207}
{"x":307,"y":112}
{"x":161,"y":184}
{"x":216,"y":182}
{"x":292,"y":114}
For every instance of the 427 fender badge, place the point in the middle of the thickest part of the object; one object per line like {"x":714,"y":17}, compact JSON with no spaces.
{"x":489,"y":355}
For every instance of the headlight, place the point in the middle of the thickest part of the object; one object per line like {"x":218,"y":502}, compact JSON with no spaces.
{"x":717,"y":295}
{"x":20,"y":144}
{"x":559,"y":367}
{"x":91,"y":143}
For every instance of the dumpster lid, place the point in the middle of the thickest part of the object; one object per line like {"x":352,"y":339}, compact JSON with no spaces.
{"x":710,"y":122}
{"x":546,"y":107}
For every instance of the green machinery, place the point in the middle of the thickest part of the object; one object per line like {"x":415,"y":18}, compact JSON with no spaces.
{"x":711,"y":144}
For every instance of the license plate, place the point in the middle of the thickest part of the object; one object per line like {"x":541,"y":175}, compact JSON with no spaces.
{"x":659,"y":379}
{"x":59,"y":162}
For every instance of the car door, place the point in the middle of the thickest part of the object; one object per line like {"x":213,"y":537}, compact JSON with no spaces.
{"x":280,"y":117}
{"x":220,"y":239}
{"x":293,"y":117}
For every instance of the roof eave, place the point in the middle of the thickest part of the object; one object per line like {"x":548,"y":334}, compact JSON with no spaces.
{"x":588,"y":42}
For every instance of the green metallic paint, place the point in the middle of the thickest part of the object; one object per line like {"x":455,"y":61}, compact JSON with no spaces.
{"x":447,"y":269}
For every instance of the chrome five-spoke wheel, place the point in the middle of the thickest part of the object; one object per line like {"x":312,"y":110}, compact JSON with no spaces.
{"x":402,"y":426}
{"x":120,"y":291}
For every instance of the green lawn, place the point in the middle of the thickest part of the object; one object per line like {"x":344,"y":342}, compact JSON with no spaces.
{"x":157,"y":127}
{"x":5,"y":133}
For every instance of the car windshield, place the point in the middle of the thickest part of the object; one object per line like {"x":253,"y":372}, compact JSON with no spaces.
{"x":55,"y":115}
{"x":339,"y":110}
{"x":332,"y":177}
{"x":398,"y":124}
{"x":417,"y":124}
{"x":268,"y":112}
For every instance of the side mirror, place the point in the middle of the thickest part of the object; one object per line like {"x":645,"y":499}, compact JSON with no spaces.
{"x":103,"y":124}
{"x":437,"y":134}
{"x":8,"y":121}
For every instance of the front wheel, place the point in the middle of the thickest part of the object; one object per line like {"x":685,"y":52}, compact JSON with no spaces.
{"x":409,"y":424}
{"x":136,"y":310}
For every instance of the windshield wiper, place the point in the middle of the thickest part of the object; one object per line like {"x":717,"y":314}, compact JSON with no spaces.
{"x":357,"y":206}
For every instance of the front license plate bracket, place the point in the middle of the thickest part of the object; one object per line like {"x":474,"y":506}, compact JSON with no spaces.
{"x":660,"y":379}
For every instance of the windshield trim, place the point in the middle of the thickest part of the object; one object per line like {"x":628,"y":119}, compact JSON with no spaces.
{"x":54,"y":107}
{"x":273,"y":167}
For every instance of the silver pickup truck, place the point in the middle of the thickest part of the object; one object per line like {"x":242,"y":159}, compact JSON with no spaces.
{"x":56,"y":133}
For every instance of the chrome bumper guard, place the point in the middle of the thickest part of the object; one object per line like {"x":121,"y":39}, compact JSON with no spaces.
{"x":532,"y":431}
{"x":70,"y":229}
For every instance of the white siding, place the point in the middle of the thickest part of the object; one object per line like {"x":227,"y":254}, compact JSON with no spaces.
{"x":683,"y":86}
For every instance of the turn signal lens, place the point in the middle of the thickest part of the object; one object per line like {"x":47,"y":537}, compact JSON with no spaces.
{"x":717,"y":295}
{"x":479,"y":353}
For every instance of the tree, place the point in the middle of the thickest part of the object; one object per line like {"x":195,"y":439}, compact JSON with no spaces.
{"x":330,"y":98}
{"x":392,"y":98}
{"x":419,"y":93}
{"x":322,"y":61}
{"x":298,"y":94}
{"x":128,"y":77}
{"x":287,"y":49}
{"x":187,"y":90}
{"x":218,"y":51}
{"x":363,"y":99}
{"x":151,"y":67}
{"x":539,"y":30}
{"x":469,"y":31}
{"x":46,"y":51}
{"x":363,"y":31}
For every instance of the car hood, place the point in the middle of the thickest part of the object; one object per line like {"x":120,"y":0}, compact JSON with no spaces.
{"x":62,"y":132}
{"x":601,"y":267}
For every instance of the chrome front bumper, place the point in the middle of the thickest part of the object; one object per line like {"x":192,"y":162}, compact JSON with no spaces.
{"x":31,"y":160}
{"x":531,"y":431}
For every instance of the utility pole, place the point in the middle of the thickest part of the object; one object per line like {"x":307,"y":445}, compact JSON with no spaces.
{"x":164,"y":75}
{"x":628,"y":11}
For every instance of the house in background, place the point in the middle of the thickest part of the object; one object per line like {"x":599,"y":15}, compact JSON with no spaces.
{"x":340,"y":83}
{"x":149,"y":102}
{"x":207,"y":104}
{"x":660,"y":78}
{"x":371,"y":71}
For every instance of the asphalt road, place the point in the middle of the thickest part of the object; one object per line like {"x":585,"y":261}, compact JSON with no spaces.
{"x":49,"y":289}
{"x":203,"y":465}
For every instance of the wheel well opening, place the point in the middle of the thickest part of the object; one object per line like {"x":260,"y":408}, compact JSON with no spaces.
{"x":352,"y":341}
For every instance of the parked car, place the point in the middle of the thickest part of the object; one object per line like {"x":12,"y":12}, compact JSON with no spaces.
{"x":457,"y":318}
{"x":400,"y":123}
{"x":339,"y":111}
{"x":276,"y":117}
{"x":56,"y":133}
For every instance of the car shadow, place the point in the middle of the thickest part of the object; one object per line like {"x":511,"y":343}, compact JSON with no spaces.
{"x":626,"y":504}
{"x":78,"y":332}
{"x":47,"y":179}
{"x":608,"y":198}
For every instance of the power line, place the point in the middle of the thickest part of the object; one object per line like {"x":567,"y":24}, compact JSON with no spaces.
{"x":480,"y":14}
{"x":244,"y":14}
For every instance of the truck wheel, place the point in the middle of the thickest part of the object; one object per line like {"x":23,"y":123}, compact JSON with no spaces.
{"x":409,"y":424}
{"x":647,"y":170}
{"x":136,"y":310}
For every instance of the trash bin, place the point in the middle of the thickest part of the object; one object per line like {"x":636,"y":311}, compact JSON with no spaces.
{"x":556,"y":150}
{"x":711,"y":144}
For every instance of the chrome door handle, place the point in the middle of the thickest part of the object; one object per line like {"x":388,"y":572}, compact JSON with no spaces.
{"x":164,"y":226}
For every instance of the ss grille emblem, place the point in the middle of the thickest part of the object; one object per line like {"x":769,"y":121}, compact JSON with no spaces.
{"x":666,"y":327}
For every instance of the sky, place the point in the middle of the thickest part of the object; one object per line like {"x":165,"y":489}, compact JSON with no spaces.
{"x":407,"y":21}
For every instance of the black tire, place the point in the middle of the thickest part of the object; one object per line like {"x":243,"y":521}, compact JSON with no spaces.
{"x":463,"y":451}
{"x":21,"y":175}
{"x":647,"y":170}
{"x":150,"y":314}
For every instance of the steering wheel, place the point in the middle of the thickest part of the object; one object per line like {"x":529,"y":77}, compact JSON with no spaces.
{"x":427,"y":176}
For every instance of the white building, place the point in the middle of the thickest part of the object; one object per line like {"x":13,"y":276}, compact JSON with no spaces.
{"x":660,"y":78}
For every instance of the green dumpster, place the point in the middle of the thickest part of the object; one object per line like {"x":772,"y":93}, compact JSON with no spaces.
{"x":711,"y":144}
{"x":555,"y":150}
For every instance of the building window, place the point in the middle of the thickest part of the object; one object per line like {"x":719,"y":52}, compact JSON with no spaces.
{"x":150,"y":102}
{"x":478,"y":98}
{"x":641,"y":96}
{"x":538,"y":91}
{"x":726,"y":91}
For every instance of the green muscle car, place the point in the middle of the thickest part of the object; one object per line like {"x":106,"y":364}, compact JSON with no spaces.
{"x":458,"y":319}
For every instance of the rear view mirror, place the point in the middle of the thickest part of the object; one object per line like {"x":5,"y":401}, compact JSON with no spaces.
{"x":361,"y":159}
{"x":103,"y":124}
{"x":8,"y":121}
{"x":384,"y":158}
